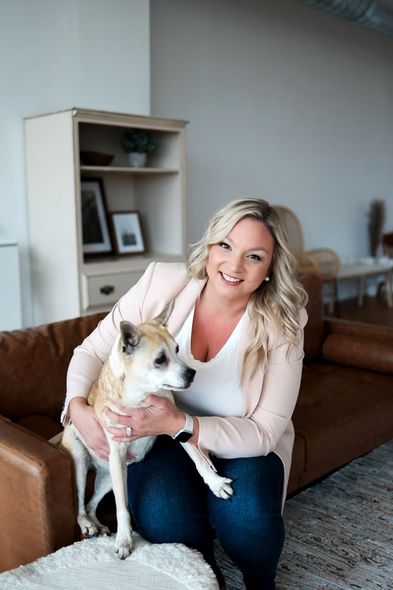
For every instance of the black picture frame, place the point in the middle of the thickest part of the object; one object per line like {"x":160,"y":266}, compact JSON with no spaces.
{"x":127,"y":233}
{"x":96,"y":236}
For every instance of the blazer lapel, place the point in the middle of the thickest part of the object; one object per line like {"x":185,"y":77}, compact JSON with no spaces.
{"x":251,"y":385}
{"x":184,"y":303}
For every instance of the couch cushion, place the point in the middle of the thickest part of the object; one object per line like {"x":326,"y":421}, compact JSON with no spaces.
{"x":341,"y":413}
{"x":45,"y":426}
{"x":40,"y":356}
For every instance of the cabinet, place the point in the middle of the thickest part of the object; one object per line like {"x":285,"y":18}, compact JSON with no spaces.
{"x":66,"y":281}
{"x":10,"y":295}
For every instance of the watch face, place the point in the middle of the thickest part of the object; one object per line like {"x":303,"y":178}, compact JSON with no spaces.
{"x":183,"y":436}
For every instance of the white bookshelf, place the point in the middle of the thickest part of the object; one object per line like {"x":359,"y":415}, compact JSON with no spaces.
{"x":67,"y":282}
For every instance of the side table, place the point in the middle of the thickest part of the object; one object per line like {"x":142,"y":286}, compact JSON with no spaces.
{"x":360,"y":271}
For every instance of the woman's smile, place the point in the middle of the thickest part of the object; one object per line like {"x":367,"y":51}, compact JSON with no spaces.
{"x":229,"y":279}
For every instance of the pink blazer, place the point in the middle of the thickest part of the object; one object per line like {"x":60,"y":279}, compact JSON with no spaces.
{"x":269,"y":397}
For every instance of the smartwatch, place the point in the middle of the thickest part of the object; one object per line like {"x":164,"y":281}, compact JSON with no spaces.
{"x":185,"y":433}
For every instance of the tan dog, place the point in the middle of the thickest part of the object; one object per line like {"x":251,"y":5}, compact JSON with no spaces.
{"x":142,"y":360}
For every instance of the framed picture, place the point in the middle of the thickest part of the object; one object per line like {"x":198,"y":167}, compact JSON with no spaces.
{"x":95,"y":230}
{"x":127,"y":232}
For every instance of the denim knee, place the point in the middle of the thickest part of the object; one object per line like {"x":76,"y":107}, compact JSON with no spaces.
{"x":167,"y":497}
{"x":250,"y":526}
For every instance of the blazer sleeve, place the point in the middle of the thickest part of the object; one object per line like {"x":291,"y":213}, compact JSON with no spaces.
{"x":258,"y":432}
{"x":89,"y":357}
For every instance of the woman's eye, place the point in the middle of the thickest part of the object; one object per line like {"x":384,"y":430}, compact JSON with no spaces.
{"x":224,"y":245}
{"x":255,"y":257}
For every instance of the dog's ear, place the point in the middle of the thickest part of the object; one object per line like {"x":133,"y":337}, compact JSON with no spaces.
{"x":164,"y":316}
{"x":129,"y":337}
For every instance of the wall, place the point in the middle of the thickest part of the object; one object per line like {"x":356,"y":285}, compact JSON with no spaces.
{"x":284,"y":102}
{"x":54,"y":55}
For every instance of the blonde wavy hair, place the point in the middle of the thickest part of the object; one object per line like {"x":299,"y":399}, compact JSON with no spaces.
{"x":276,"y":303}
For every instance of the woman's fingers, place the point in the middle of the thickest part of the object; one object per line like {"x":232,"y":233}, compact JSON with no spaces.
{"x":159,"y":415}
{"x":117,"y":419}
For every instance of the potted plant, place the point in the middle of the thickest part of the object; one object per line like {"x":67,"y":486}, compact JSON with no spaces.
{"x":137,"y":143}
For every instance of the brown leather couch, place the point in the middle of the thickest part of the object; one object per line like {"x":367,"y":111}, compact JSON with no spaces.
{"x":345,"y":409}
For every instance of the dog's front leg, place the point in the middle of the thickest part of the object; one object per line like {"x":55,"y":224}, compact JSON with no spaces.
{"x":102,"y":485}
{"x":118,"y":470}
{"x":81,"y":458}
{"x":220,"y":486}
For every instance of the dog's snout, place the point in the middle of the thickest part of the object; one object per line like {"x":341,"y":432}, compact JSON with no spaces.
{"x":190,"y":374}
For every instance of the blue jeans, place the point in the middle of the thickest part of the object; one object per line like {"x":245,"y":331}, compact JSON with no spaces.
{"x":170,"y":503}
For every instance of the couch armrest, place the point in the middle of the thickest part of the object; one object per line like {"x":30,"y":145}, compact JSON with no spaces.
{"x":37,"y":497}
{"x":359,"y":345}
{"x":359,"y":330}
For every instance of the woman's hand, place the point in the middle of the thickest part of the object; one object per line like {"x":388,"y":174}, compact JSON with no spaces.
{"x":159,"y":416}
{"x":83,"y":417}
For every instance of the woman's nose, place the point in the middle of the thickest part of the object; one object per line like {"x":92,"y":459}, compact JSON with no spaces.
{"x":236,"y":263}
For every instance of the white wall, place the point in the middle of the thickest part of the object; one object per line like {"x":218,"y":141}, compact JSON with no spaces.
{"x":54,"y":55}
{"x":284,"y":102}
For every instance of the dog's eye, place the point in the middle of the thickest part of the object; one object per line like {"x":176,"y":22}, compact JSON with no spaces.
{"x":161,"y":360}
{"x":177,"y":348}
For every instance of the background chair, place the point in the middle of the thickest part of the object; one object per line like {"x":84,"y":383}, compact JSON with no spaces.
{"x":328,"y":264}
{"x":306,"y":264}
{"x":323,"y":261}
{"x":293,"y":228}
{"x":387,"y":244}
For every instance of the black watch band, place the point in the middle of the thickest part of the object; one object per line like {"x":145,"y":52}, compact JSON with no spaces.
{"x":187,"y":431}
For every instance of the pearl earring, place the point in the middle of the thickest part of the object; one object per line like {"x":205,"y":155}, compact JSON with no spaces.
{"x":266,"y":279}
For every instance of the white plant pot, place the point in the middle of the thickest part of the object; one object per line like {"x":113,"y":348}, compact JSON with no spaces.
{"x":137,"y":160}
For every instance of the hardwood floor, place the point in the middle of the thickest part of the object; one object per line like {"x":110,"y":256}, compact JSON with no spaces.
{"x":373,"y":311}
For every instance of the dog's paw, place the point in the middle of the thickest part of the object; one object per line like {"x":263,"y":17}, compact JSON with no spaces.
{"x":88,"y":527}
{"x":91,"y":526}
{"x":123,"y":545}
{"x":220,"y":486}
{"x":103,"y":530}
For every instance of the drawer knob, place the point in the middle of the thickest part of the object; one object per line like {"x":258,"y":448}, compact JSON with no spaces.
{"x":107,"y":289}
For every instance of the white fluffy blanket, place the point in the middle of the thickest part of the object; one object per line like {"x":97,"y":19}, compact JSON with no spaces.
{"x":92,"y":564}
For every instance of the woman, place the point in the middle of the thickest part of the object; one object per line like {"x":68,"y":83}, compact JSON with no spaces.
{"x":238,"y":319}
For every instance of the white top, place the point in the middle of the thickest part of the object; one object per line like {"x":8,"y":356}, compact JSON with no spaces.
{"x":215,"y":390}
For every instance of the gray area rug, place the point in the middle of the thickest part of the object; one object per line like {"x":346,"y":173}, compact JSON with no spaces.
{"x":339,"y":533}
